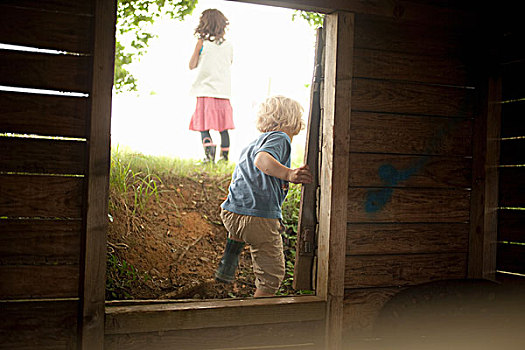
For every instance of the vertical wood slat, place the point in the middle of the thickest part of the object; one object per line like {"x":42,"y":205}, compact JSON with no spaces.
{"x":93,"y":266}
{"x":334,"y":170}
{"x":484,"y":197}
{"x":46,"y":115}
{"x":42,"y":156}
{"x":46,"y":29}
{"x":306,"y":229}
{"x":45,"y":71}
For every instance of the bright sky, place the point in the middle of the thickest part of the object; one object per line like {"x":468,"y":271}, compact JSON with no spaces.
{"x":272,"y":55}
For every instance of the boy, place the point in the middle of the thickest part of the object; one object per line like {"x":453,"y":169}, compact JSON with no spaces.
{"x":252,"y":211}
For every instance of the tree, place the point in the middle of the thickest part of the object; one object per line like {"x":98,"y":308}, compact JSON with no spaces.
{"x":314,"y":19}
{"x":134,"y":20}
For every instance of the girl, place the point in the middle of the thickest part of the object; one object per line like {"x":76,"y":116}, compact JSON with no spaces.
{"x":213,"y":57}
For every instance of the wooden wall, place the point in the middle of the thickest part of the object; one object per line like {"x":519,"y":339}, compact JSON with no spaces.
{"x":511,"y":224}
{"x":47,"y":148}
{"x":410,"y":162}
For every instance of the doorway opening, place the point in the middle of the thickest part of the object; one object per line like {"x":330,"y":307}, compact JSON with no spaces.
{"x":165,"y":235}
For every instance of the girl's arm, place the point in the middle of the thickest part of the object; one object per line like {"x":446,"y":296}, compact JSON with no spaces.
{"x":270,"y":166}
{"x":195,"y":57}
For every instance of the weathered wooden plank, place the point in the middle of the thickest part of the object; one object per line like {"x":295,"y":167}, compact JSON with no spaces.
{"x":377,"y":64}
{"x":40,"y":241}
{"x":45,"y":29}
{"x":380,"y":33}
{"x":38,"y":281}
{"x":513,"y":119}
{"x":511,"y":258}
{"x":296,"y":335}
{"x":512,"y":187}
{"x":406,"y":98}
{"x":46,"y":115}
{"x":394,"y":133}
{"x":336,"y":123}
{"x":42,"y":156}
{"x":362,"y":306}
{"x":403,"y":270}
{"x":307,"y":223}
{"x":407,"y":205}
{"x":70,"y":6}
{"x":40,"y":196}
{"x":512,"y":152}
{"x":177,"y":316}
{"x":374,"y":170}
{"x":484,"y":197}
{"x":93,"y":266}
{"x":401,"y":11}
{"x":39,"y":325}
{"x":45,"y":71}
{"x":511,"y":225}
{"x":362,"y":239}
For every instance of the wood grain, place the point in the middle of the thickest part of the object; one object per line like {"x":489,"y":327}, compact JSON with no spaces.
{"x":513,"y":119}
{"x":393,"y":133}
{"x":392,"y":205}
{"x":512,"y":82}
{"x":42,"y":156}
{"x":386,"y":34}
{"x":93,"y":266}
{"x":364,"y":239}
{"x":38,"y":281}
{"x":362,"y":306}
{"x":70,"y":6}
{"x":387,"y":65}
{"x":512,"y":187}
{"x":41,"y":196}
{"x":39,"y":324}
{"x":294,"y":335}
{"x":403,"y":270}
{"x":511,"y":225}
{"x":45,"y":29}
{"x":177,"y":316}
{"x":406,"y":98}
{"x":45,"y":71}
{"x":43,"y":114}
{"x":30,"y":242}
{"x":375,"y":170}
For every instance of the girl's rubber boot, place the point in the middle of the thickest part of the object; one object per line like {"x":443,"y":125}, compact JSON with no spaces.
{"x":209,"y":152}
{"x":224,"y":155}
{"x":226,"y":270}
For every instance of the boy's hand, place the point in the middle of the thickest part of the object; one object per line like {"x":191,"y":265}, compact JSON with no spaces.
{"x":301,"y":175}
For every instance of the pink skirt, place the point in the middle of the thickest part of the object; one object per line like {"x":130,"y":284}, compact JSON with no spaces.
{"x":212,"y":114}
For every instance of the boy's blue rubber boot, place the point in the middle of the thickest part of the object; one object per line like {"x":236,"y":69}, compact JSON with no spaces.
{"x":226,"y":270}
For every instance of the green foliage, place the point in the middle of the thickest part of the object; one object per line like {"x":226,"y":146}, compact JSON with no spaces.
{"x":134,"y":21}
{"x":314,"y":19}
{"x":120,"y":277}
{"x":290,"y":210}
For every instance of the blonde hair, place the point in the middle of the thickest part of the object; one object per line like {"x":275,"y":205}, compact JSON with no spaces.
{"x":212,"y":25}
{"x":279,"y":113}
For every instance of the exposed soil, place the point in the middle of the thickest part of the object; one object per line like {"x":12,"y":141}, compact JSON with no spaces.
{"x":174,"y":244}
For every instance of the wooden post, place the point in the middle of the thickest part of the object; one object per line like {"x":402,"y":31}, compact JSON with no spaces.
{"x":334,"y":171}
{"x":484,"y":198}
{"x":92,"y":290}
{"x":306,"y":230}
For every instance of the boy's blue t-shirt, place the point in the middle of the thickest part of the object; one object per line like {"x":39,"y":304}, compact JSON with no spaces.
{"x":251,"y":191}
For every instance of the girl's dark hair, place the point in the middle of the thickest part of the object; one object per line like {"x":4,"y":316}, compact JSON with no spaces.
{"x":212,"y":25}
